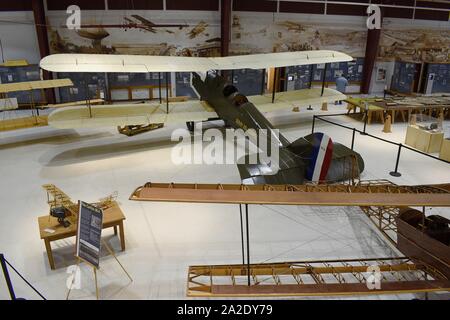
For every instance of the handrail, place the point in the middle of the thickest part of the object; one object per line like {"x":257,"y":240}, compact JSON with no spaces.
{"x":394,"y":173}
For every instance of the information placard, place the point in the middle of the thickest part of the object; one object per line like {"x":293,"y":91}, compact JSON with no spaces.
{"x":90,"y":222}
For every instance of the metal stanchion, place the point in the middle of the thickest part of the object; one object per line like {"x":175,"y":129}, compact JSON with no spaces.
{"x":395,"y":173}
{"x":248,"y":245}
{"x":7,"y":278}
{"x":353,"y":138}
{"x":313,"y":124}
{"x":366,"y":112}
{"x":242,"y":235}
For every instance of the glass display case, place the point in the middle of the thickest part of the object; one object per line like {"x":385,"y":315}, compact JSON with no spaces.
{"x":426,"y":122}
{"x":424,"y":133}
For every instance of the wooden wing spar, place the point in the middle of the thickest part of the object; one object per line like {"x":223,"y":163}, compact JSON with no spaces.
{"x":315,"y":195}
{"x":139,"y":63}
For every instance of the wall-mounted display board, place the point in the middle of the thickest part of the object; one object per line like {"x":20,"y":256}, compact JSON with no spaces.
{"x":95,"y":83}
{"x":136,"y":79}
{"x":403,"y":77}
{"x":352,"y":70}
{"x":137,"y":86}
{"x":183,"y":84}
{"x":441,"y":79}
{"x":298,"y":77}
{"x":248,"y":81}
{"x":22,"y":74}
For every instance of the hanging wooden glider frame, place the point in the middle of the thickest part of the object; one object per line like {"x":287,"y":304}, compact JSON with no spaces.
{"x":362,"y":194}
{"x":397,"y":275}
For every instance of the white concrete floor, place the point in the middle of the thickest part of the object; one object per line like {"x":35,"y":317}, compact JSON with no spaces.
{"x":163,"y":239}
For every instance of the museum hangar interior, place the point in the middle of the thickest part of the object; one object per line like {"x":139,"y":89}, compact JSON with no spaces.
{"x":119,"y":179}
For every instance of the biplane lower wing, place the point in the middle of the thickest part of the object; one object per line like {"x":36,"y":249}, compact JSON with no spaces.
{"x":295,"y":98}
{"x":179,"y":112}
{"x":129,"y":114}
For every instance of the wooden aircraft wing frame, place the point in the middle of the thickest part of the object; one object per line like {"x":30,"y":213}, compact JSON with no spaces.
{"x":128,"y":114}
{"x":34,"y":85}
{"x":295,"y":98}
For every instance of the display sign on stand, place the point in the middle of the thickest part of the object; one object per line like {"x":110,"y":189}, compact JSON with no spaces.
{"x":90,"y":222}
{"x":89,"y":240}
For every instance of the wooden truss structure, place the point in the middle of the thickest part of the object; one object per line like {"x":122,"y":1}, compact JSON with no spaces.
{"x":369,"y":193}
{"x":57,"y":198}
{"x":316,"y":278}
{"x":379,"y":199}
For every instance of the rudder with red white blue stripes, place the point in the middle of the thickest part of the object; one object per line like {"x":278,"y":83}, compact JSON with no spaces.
{"x":321,"y":156}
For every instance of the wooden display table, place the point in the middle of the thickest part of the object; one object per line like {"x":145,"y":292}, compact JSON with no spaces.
{"x":113,"y":217}
{"x":373,"y":111}
{"x":423,"y":140}
{"x":445,"y":150}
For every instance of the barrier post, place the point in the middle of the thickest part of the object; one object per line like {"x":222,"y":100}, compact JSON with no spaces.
{"x":7,"y":278}
{"x":353,"y":137}
{"x":365,"y":121}
{"x":395,"y":173}
{"x":314,"y":122}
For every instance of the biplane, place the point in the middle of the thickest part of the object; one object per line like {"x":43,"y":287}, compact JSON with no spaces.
{"x":314,"y":157}
{"x":34,"y":119}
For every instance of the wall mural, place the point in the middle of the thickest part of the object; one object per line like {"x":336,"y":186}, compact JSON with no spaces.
{"x":288,"y":33}
{"x":415,"y":45}
{"x":198,"y":34}
{"x":187,"y":34}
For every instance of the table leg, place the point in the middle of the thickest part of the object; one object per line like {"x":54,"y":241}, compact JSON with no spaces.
{"x":115,"y":230}
{"x":122,"y":236}
{"x":369,"y":117}
{"x":48,"y":248}
{"x":403,"y":115}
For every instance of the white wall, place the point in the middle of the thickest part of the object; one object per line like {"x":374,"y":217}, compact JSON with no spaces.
{"x":19,"y":39}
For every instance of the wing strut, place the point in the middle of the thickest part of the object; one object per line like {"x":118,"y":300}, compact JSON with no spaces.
{"x":167,"y":92}
{"x":323,"y":78}
{"x":159,"y":87}
{"x":275,"y":78}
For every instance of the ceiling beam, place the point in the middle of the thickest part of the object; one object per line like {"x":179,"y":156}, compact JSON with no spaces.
{"x":44,"y":49}
{"x":225,"y":26}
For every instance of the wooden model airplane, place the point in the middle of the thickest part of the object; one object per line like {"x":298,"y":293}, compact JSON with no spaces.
{"x":62,"y":207}
{"x":313,"y":157}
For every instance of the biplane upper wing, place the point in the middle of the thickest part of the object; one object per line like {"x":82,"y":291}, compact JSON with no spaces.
{"x":138,"y":63}
{"x":129,"y":114}
{"x":295,"y":98}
